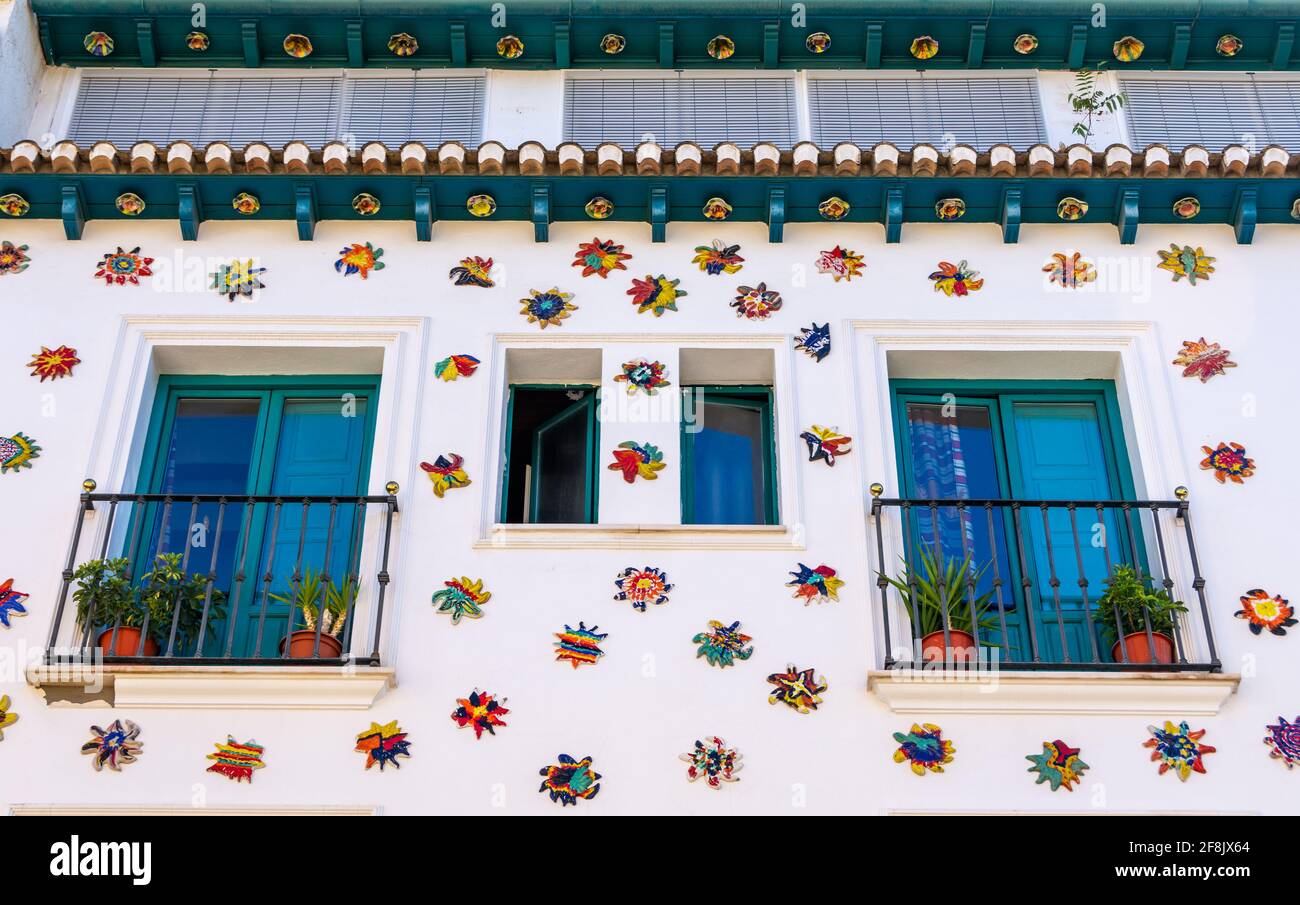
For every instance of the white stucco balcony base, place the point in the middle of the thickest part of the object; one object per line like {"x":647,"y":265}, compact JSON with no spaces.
{"x":925,"y":692}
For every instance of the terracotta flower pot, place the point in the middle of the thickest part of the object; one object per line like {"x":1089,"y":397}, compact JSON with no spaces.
{"x":127,"y":643}
{"x":302,"y":643}
{"x":1138,"y":651}
{"x":962,"y":645}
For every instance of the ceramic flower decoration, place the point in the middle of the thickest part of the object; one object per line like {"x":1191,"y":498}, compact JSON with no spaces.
{"x":1069,"y":271}
{"x":1188,"y":262}
{"x":815,"y":584}
{"x":1127,"y":49}
{"x":1186,"y":208}
{"x":599,"y":257}
{"x":114,"y":746}
{"x":924,"y":47}
{"x":11,"y":602}
{"x":238,"y":278}
{"x":1059,"y":765}
{"x":640,"y":374}
{"x":1177,"y":748}
{"x":1283,"y":740}
{"x":14,"y":205}
{"x":237,"y":760}
{"x":814,"y":341}
{"x":570,"y":780}
{"x":756,"y":302}
{"x":129,"y":204}
{"x":613,"y":44}
{"x":17,"y":452}
{"x":924,"y":748}
{"x":297,"y":46}
{"x":1229,"y":462}
{"x":455,"y":366}
{"x":98,"y":44}
{"x":480,"y":711}
{"x":834,"y":208}
{"x":122,"y":267}
{"x":949,"y":209}
{"x":366,"y":204}
{"x":549,"y":308}
{"x":1071,"y":209}
{"x":655,"y":294}
{"x":642,"y":586}
{"x":716,"y":209}
{"x":1203,"y":360}
{"x":800,"y":690}
{"x":446,"y":473}
{"x":510,"y":48}
{"x":817,"y":42}
{"x":1229,"y":46}
{"x":462,"y":597}
{"x":7,"y":716}
{"x":956,"y":279}
{"x":841,"y":263}
{"x":599,"y":208}
{"x":637,"y":460}
{"x":721,"y":47}
{"x":1262,"y":612}
{"x":481,"y":205}
{"x":246,"y":204}
{"x":579,"y":646}
{"x":53,"y":363}
{"x":722,"y":645}
{"x":825,"y":444}
{"x":197,"y":41}
{"x":713,"y":761}
{"x":1025,"y":44}
{"x":718,"y":258}
{"x":383,"y":744}
{"x":13,"y":258}
{"x":403,"y":45}
{"x":360,"y":259}
{"x":473,"y":271}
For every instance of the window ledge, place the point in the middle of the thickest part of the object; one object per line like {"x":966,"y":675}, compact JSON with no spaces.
{"x":641,"y":537}
{"x":202,"y":687}
{"x":1145,"y":693}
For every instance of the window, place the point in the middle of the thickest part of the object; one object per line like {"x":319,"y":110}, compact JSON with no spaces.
{"x":980,"y":112}
{"x":1217,"y":112}
{"x":552,"y":441}
{"x":728,"y":457}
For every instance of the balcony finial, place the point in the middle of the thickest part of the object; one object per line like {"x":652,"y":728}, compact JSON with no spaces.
{"x":876,"y":489}
{"x":89,"y":485}
{"x":392,"y":487}
{"x":1181,"y":492}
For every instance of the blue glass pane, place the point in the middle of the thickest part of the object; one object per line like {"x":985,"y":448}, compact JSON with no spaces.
{"x":727,"y":478}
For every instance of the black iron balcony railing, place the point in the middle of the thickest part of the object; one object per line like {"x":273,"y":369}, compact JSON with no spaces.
{"x":1110,"y":585}
{"x":224,"y":579}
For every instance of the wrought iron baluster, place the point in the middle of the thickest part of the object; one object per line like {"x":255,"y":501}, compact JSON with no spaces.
{"x":162,"y":535}
{"x":970,"y":574}
{"x":881,"y":583}
{"x":325,"y":580}
{"x":1167,"y":582}
{"x":1083,"y":584}
{"x":1026,"y":584}
{"x":1137,"y":570}
{"x":295,"y":582}
{"x":1055,"y":584}
{"x":1110,"y":573}
{"x":383,"y":576}
{"x":232,"y":617}
{"x":183,"y":580}
{"x":997,"y":576}
{"x":943,"y":585}
{"x":84,"y":505}
{"x":268,"y":577}
{"x":1197,"y":581}
{"x":911,"y":582}
{"x":212,"y":576}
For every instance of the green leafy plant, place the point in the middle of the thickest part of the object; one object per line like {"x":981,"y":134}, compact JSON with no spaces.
{"x":313,"y":595}
{"x":1091,"y":103}
{"x":103,"y":586}
{"x":1133,"y":600}
{"x":165,"y":586}
{"x":942,"y":583}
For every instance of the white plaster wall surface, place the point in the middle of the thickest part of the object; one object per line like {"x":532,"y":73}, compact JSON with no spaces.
{"x":650,"y":698}
{"x":20,"y":68}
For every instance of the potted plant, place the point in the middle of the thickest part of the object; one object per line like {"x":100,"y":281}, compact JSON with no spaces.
{"x":105,"y":599}
{"x":318,"y":601}
{"x":941,"y":584}
{"x":1131,"y":601}
{"x":168,"y":593}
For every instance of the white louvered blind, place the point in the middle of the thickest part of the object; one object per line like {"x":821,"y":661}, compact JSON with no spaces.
{"x":431,"y":110}
{"x":980,"y":112}
{"x":1213,"y":112}
{"x":671,"y":110}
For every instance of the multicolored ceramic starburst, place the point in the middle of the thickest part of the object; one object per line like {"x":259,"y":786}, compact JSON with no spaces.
{"x":825,"y":444}
{"x":841,"y":263}
{"x":1177,"y":748}
{"x":473,"y":271}
{"x":7,"y":716}
{"x":237,"y":760}
{"x":115,"y":746}
{"x":800,"y":690}
{"x":815,"y":584}
{"x":17,"y":452}
{"x":718,"y":258}
{"x":13,"y":258}
{"x":757,"y":303}
{"x":1202,"y":359}
{"x":462,"y":597}
{"x":383,"y":745}
{"x":481,"y":711}
{"x":713,"y":761}
{"x":11,"y":602}
{"x":1283,"y":741}
{"x":924,"y":748}
{"x":814,"y":341}
{"x":447,"y":473}
{"x":637,"y":460}
{"x":53,"y":363}
{"x":1069,"y":271}
{"x":1229,"y":462}
{"x":1059,"y":765}
{"x":549,"y":308}
{"x":1265,"y":613}
{"x":640,"y":374}
{"x":238,"y":278}
{"x":362,"y":259}
{"x":455,"y":366}
{"x":570,"y":780}
{"x":122,"y":267}
{"x":723,"y":645}
{"x":955,"y":279}
{"x":655,"y":294}
{"x":642,"y":586}
{"x":599,"y":257}
{"x":580,"y":646}
{"x":1186,"y":261}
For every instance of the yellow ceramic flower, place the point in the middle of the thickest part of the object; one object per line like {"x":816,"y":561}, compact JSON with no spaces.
{"x":834,"y":208}
{"x":599,"y":208}
{"x":246,"y":204}
{"x":510,"y":48}
{"x":1186,"y":208}
{"x":403,"y":45}
{"x":197,"y":41}
{"x":722,"y":47}
{"x":1071,"y":209}
{"x":925,"y":47}
{"x":1025,"y":44}
{"x":297,"y":46}
{"x":130,"y":204}
{"x":613,"y":44}
{"x":716,"y":209}
{"x":818,"y":42}
{"x":1128,"y":48}
{"x":481,"y":205}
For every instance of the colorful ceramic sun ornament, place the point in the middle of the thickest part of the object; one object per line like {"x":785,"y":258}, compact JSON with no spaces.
{"x":815,"y":584}
{"x":462,"y":597}
{"x":549,"y":308}
{"x":580,"y":646}
{"x":570,"y":780}
{"x":446,"y":473}
{"x":826,"y":444}
{"x":599,"y":208}
{"x":814,"y":341}
{"x":1228,"y":462}
{"x":613,"y":44}
{"x":403,"y":45}
{"x":924,"y":47}
{"x":366,"y":204}
{"x":481,"y":205}
{"x":1059,"y":765}
{"x":237,"y":760}
{"x":17,"y":452}
{"x":246,"y":204}
{"x":924,"y":748}
{"x":834,"y":208}
{"x":383,"y":745}
{"x":713,"y":761}
{"x":197,"y":41}
{"x":599,"y":257}
{"x":817,"y":42}
{"x":1188,"y":262}
{"x":723,"y":645}
{"x":949,"y":209}
{"x":716,"y":209}
{"x":1262,"y":612}
{"x":718,"y":258}
{"x":1025,"y":44}
{"x":237,"y":279}
{"x":638,"y":460}
{"x":297,"y":46}
{"x":472,"y":271}
{"x":722,"y":48}
{"x":1229,"y":46}
{"x":115,"y":746}
{"x":481,"y":711}
{"x":800,"y":690}
{"x":756,"y":303}
{"x":129,"y":204}
{"x":1069,"y":271}
{"x":642,"y":586}
{"x":647,"y":376}
{"x":955,"y":280}
{"x":1177,"y":748}
{"x":841,"y":263}
{"x":1127,"y":49}
{"x":655,"y":294}
{"x":14,"y":205}
{"x":1202,"y":359}
{"x":53,"y":363}
{"x":510,"y":48}
{"x":11,"y":602}
{"x":122,"y":267}
{"x":97,"y":44}
{"x":455,"y":366}
{"x":13,"y":258}
{"x":1186,"y":208}
{"x":7,"y":716}
{"x":360,"y":259}
{"x":1283,"y":740}
{"x":1071,"y":209}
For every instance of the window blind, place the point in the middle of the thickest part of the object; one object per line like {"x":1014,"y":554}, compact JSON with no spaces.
{"x":1213,"y":112}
